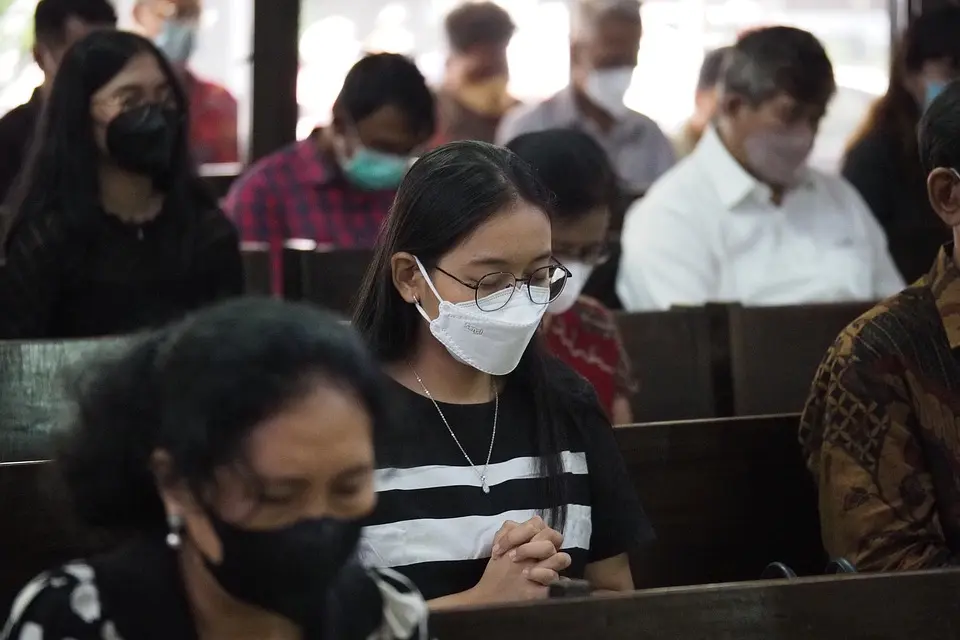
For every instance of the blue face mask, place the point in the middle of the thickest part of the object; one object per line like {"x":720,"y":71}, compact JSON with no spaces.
{"x":177,"y":40}
{"x":934,"y":89}
{"x":375,"y":170}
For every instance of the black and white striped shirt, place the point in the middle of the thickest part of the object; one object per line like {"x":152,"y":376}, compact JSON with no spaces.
{"x":434,"y":523}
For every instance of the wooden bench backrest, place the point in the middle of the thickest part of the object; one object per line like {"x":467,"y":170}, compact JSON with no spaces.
{"x":31,"y":392}
{"x":726,"y":497}
{"x":874,"y":607}
{"x":775,"y":351}
{"x":672,"y":354}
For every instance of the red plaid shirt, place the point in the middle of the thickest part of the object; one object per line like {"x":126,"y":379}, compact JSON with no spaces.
{"x":213,"y":121}
{"x":300,"y":192}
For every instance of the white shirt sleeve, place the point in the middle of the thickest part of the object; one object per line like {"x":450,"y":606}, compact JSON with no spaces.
{"x":886,"y":277}
{"x":667,"y":255}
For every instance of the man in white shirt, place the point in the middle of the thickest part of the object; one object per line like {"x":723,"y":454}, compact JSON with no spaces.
{"x":743,"y":219}
{"x":604,"y":45}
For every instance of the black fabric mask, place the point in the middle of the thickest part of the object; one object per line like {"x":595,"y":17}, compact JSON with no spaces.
{"x":288,"y":571}
{"x":142,"y":139}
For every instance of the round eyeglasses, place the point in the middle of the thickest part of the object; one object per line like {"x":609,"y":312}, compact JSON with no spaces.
{"x":542,"y":286}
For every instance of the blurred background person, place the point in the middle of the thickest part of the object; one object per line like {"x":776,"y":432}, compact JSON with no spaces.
{"x":578,"y":329}
{"x":604,"y":45}
{"x":474,"y":97}
{"x":744,"y":218}
{"x":57,"y":25}
{"x":173,"y":25}
{"x":110,"y":230}
{"x":704,"y":101}
{"x":882,"y":160}
{"x":237,"y":448}
{"x":336,"y":187}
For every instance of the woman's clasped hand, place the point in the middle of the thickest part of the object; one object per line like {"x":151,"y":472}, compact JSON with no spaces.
{"x":526,"y":559}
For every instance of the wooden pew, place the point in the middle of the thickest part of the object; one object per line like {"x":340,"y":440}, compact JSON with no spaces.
{"x":775,"y":351}
{"x":874,"y":607}
{"x":31,"y":393}
{"x":676,"y":363}
{"x":256,"y":270}
{"x":331,"y":279}
{"x":726,"y":497}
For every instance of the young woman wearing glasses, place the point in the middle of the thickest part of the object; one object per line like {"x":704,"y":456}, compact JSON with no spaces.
{"x":504,"y":474}
{"x":577,"y":329}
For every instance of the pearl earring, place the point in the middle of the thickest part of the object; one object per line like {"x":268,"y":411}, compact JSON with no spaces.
{"x":175,"y":527}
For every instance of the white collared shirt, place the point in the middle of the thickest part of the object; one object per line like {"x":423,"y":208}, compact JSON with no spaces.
{"x":636,"y":146}
{"x":708,"y":232}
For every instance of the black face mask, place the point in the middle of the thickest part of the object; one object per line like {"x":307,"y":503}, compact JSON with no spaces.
{"x":142,"y":140}
{"x":288,"y":571}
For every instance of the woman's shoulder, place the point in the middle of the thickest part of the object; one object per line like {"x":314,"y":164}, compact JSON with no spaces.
{"x":62,"y":603}
{"x":405,"y":612}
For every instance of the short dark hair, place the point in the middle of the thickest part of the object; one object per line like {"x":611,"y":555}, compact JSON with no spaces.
{"x":197,"y":389}
{"x":572,"y":165}
{"x":938,"y":134}
{"x":711,"y":68}
{"x":381,"y":79}
{"x":773,"y":60}
{"x":51,"y":16}
{"x":478,"y":23}
{"x":932,"y":36}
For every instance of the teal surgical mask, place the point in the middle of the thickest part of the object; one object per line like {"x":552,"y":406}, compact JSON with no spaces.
{"x":375,"y":170}
{"x":177,"y":40}
{"x":933,"y":89}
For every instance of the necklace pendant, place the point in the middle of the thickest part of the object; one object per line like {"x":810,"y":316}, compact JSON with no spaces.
{"x":483,"y":485}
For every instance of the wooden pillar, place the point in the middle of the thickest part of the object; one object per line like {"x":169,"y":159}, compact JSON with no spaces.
{"x":276,"y":60}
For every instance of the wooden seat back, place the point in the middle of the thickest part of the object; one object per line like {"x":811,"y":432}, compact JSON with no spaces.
{"x":874,"y":607}
{"x":726,"y":498}
{"x":775,"y":352}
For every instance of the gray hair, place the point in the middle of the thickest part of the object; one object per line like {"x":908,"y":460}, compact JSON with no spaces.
{"x":585,"y":14}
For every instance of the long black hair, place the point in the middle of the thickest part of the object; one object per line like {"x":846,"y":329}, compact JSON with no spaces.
{"x":61,"y":174}
{"x":896,"y":114}
{"x":197,"y":389}
{"x":446,"y":195}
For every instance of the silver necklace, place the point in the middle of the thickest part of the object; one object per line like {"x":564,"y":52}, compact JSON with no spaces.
{"x":496,"y":411}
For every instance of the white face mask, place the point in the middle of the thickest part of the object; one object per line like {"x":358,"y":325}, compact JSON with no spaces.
{"x":607,"y":87}
{"x":489,"y":341}
{"x":579,"y":274}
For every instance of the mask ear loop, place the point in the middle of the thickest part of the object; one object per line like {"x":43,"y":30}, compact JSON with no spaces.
{"x":436,"y":293}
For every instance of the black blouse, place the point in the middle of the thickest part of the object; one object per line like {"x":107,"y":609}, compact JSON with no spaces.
{"x":111,"y":278}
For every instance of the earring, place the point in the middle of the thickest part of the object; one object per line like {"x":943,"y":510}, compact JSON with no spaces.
{"x":175,"y":527}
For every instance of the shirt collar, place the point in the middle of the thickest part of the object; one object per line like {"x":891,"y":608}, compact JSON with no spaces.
{"x":568,"y":114}
{"x":944,"y":282}
{"x":320,"y":167}
{"x":732,"y":182}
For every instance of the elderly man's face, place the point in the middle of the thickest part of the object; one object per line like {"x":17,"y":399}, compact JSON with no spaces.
{"x":613,"y":42}
{"x":774,"y":138}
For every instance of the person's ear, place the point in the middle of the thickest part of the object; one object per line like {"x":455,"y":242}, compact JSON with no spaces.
{"x":730,"y":105}
{"x":177,"y":498}
{"x":407,"y":277}
{"x":943,"y":190}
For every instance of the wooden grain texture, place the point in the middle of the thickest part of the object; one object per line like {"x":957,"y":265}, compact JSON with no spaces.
{"x":726,"y":498}
{"x":775,"y":352}
{"x":331,"y":279}
{"x":859,"y":607}
{"x":671,"y":356}
{"x":31,"y":392}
